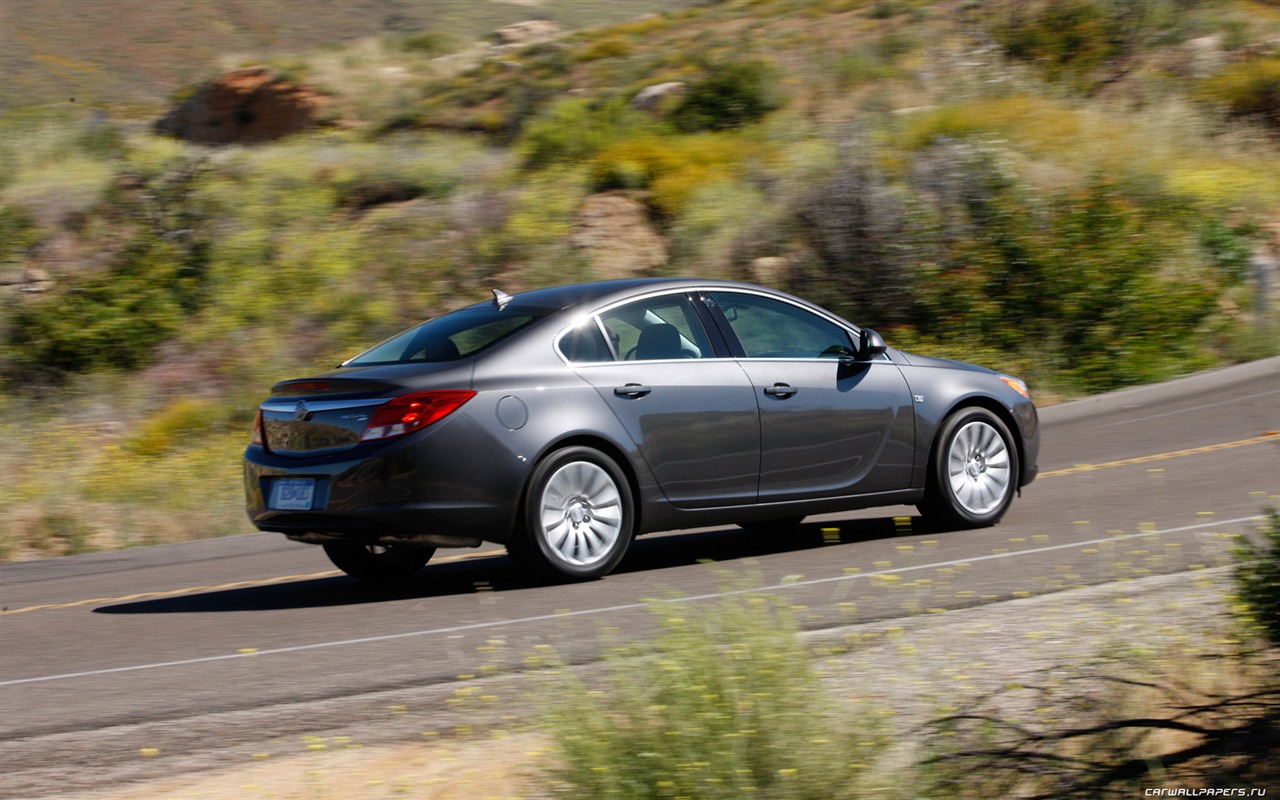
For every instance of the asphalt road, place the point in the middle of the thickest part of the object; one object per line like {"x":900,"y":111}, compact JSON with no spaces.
{"x":256,"y":628}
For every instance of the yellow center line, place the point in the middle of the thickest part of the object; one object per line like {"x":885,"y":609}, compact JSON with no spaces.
{"x":1269,"y":436}
{"x":333,"y":573}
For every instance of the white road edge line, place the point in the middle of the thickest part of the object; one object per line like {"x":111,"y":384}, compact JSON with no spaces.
{"x":1202,"y":407}
{"x":623,"y":607}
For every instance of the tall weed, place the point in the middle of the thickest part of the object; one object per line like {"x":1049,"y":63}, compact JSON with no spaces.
{"x":724,"y":703}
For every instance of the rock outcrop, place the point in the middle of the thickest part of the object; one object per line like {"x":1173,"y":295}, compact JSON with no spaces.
{"x":659,"y":97}
{"x":247,"y":106}
{"x":615,"y":232}
{"x":531,"y":31}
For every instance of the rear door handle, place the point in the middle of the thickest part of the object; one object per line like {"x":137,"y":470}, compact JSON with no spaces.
{"x":782,"y":390}
{"x":632,"y":390}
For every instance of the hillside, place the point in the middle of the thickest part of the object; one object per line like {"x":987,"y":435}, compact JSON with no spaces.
{"x":138,"y":52}
{"x":1086,"y":193}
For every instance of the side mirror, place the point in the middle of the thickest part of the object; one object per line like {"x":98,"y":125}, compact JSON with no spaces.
{"x":870,"y":345}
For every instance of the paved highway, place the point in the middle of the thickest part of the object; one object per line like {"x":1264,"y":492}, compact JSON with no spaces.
{"x":257,"y":629}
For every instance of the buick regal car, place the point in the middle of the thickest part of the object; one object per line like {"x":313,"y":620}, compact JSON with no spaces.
{"x":563,"y":422}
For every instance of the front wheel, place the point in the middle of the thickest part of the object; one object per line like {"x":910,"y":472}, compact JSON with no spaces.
{"x":378,"y":563}
{"x":579,"y":515}
{"x":974,"y":472}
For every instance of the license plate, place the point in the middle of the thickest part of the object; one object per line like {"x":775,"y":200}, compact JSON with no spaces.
{"x":292,"y":494}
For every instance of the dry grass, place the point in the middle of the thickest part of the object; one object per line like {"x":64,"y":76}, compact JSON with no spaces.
{"x":338,"y":768}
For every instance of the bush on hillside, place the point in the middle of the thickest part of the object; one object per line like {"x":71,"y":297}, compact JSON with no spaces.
{"x":112,"y":321}
{"x":1257,"y":578}
{"x":1105,"y":285}
{"x":731,"y":95}
{"x":1116,"y":287}
{"x":1249,"y":89}
{"x":17,"y":235}
{"x":429,"y":43}
{"x":576,"y":129}
{"x":671,"y":168}
{"x":1069,"y":40}
{"x":856,"y":226}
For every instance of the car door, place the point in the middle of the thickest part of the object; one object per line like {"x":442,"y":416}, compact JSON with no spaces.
{"x":830,"y":426}
{"x":691,"y":411}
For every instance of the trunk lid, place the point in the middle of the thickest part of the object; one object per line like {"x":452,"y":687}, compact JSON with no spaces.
{"x":315,"y":416}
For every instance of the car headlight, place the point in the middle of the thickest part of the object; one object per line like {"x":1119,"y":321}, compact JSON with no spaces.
{"x":1017,"y":385}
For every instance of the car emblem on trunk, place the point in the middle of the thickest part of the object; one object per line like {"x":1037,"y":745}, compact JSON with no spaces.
{"x":301,"y":412}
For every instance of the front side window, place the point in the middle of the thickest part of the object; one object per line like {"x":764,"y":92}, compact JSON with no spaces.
{"x":450,"y":337}
{"x":769,"y":328}
{"x":655,"y":329}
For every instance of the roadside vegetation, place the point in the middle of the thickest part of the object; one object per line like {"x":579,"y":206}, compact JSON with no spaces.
{"x":1077,"y":192}
{"x":724,"y":703}
{"x":1108,"y":691}
{"x":730,"y":701}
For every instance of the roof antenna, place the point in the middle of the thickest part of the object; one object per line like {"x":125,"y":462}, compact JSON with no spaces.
{"x":500,"y":299}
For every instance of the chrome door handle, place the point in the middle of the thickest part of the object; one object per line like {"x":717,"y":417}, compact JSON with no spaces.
{"x":632,"y":390}
{"x":782,"y":390}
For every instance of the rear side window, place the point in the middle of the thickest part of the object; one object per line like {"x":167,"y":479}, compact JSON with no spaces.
{"x":450,"y":337}
{"x":585,"y":343}
{"x":656,"y":329}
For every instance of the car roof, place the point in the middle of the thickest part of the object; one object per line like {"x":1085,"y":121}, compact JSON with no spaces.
{"x":558,"y":298}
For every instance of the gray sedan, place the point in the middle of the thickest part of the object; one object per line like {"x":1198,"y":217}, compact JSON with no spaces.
{"x":563,"y":422}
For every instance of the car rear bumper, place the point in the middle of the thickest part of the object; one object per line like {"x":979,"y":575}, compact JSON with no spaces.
{"x":426,"y":488}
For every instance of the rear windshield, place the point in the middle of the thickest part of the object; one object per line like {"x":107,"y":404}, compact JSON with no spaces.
{"x":451,"y":337}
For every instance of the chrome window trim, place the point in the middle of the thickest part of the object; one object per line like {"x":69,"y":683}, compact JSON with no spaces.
{"x":849,"y":327}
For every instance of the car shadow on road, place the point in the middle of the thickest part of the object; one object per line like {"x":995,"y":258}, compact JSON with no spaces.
{"x":497,"y":573}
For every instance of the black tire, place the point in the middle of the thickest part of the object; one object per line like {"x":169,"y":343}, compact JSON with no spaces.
{"x":579,"y":516}
{"x":973,"y":471}
{"x":378,"y":564}
{"x":779,"y":525}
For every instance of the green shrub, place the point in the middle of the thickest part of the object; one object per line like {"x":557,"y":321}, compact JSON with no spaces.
{"x":885,"y":9}
{"x":1070,"y":35}
{"x":608,"y":47}
{"x":1257,"y":579}
{"x":731,"y":95}
{"x":115,"y":318}
{"x":190,"y":419}
{"x":671,"y":168}
{"x":860,"y":68}
{"x":1069,"y":39}
{"x":17,"y":235}
{"x":725,"y":703}
{"x":575,"y":130}
{"x":1248,"y":89}
{"x":429,"y":44}
{"x":111,"y":321}
{"x":1115,"y":286}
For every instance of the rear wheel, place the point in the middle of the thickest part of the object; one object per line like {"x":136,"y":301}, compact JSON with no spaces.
{"x":974,"y":473}
{"x":579,"y":515}
{"x":378,"y":562}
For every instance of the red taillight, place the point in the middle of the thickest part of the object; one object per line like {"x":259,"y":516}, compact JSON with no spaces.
{"x":412,"y":412}
{"x":258,"y":437}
